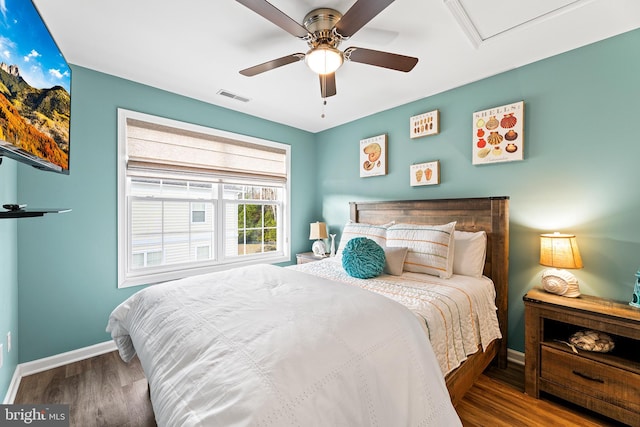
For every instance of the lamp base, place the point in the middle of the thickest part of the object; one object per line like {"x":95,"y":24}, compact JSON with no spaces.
{"x":560,"y":282}
{"x":319,"y":248}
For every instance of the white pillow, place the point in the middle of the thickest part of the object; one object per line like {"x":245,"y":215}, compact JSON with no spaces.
{"x":470,"y":253}
{"x":377,"y":233}
{"x":431,"y":247}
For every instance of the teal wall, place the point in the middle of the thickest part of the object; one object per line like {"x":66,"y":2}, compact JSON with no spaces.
{"x":8,"y":276}
{"x":579,"y":174}
{"x":67,"y":263}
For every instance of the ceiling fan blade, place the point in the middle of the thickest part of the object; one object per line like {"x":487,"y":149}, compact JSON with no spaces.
{"x":327,"y":85}
{"x":360,"y":13}
{"x":270,"y":65}
{"x":276,"y":16}
{"x":381,"y":59}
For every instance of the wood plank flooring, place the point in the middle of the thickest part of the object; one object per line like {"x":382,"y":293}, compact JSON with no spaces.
{"x":101,"y":391}
{"x":104,"y":391}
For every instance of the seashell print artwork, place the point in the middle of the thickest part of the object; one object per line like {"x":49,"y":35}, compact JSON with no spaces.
{"x":498,"y":134}
{"x":425,"y":173}
{"x":373,"y":156}
{"x":424,"y":124}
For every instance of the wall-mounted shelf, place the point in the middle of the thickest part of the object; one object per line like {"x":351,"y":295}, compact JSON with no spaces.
{"x":30,"y":213}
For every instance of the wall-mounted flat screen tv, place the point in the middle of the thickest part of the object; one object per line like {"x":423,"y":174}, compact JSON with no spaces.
{"x":35,"y":90}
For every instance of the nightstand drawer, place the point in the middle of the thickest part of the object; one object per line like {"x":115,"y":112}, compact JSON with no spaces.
{"x":577,"y":376}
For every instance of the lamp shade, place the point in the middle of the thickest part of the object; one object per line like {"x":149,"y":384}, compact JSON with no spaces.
{"x":559,"y":251}
{"x":323,"y":59}
{"x":318,"y":230}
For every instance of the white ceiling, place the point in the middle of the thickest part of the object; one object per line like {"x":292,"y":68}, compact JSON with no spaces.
{"x":196,"y":48}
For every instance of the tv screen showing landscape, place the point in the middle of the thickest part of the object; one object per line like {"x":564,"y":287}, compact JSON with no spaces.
{"x":35,"y":90}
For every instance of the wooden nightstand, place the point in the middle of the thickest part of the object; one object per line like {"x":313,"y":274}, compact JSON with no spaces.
{"x":607,"y":383}
{"x":306,"y":257}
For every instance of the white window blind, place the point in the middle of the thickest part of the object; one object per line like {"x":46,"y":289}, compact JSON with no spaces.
{"x":152,"y":146}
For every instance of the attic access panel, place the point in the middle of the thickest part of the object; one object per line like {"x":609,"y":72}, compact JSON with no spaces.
{"x":481,"y":20}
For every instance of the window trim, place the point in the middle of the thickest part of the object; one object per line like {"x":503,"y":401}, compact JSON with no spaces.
{"x":125,"y":277}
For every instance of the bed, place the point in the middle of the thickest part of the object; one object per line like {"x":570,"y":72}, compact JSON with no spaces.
{"x":489,"y":214}
{"x":267,"y":345}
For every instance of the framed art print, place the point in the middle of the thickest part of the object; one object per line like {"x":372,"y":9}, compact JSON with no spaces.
{"x":373,"y":156}
{"x":425,"y":173}
{"x":424,"y":124}
{"x":498,"y":134}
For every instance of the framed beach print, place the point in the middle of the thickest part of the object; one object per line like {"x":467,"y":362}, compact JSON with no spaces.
{"x":424,"y":124}
{"x":498,"y":134}
{"x":373,"y":156}
{"x":425,"y":173}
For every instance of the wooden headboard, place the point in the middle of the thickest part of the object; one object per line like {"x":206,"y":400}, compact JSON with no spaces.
{"x":490,"y":214}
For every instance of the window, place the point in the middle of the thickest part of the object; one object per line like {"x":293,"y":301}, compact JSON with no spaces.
{"x":253,"y":216}
{"x":198,"y":213}
{"x":193,"y":200}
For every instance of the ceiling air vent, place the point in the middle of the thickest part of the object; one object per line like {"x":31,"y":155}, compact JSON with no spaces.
{"x":232,"y":95}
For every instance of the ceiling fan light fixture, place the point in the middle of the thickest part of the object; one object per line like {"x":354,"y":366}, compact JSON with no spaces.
{"x":324,"y":59}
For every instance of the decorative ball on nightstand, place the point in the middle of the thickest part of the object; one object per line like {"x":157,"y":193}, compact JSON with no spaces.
{"x":635,"y":298}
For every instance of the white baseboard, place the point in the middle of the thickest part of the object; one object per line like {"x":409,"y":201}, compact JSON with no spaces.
{"x":13,"y":387}
{"x":35,"y":366}
{"x":514,"y":356}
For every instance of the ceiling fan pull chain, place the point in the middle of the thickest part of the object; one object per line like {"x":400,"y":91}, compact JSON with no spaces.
{"x":324,"y":103}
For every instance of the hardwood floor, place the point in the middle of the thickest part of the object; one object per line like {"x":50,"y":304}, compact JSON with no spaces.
{"x":101,"y":391}
{"x":105,"y":391}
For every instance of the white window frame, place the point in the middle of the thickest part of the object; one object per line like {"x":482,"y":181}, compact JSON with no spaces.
{"x":127,"y":278}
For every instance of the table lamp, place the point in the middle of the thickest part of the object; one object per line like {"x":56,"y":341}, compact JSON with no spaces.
{"x":560,"y":251}
{"x":318,"y":231}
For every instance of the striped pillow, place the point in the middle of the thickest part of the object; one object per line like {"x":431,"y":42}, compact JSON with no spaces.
{"x":430,"y":247}
{"x":377,"y":233}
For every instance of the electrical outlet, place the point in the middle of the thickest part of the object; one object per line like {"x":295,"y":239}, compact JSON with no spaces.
{"x":8,"y":341}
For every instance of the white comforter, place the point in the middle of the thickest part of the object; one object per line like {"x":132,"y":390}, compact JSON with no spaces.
{"x":269,"y":346}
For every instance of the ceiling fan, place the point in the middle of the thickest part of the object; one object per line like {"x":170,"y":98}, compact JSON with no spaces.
{"x":324,"y":29}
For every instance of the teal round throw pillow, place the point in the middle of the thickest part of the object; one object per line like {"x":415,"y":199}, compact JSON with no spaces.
{"x":363,"y":258}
